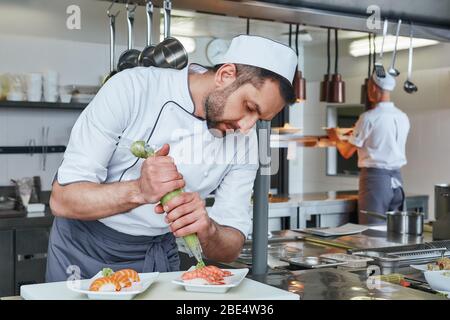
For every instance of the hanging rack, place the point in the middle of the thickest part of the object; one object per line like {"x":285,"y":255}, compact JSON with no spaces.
{"x":108,"y":11}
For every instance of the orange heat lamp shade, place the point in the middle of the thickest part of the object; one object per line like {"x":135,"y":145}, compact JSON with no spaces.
{"x":336,"y":89}
{"x":324,"y":85}
{"x":299,"y":84}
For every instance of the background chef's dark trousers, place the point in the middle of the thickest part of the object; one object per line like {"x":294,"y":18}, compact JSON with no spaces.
{"x":376,"y":193}
{"x":90,"y":246}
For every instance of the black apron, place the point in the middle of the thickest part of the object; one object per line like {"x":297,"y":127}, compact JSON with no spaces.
{"x":89,"y":246}
{"x":376,"y":193}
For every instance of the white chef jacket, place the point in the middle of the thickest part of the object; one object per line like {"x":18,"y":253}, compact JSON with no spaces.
{"x":380,"y":135}
{"x":155,"y":105}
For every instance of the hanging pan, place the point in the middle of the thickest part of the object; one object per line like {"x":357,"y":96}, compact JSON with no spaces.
{"x":146,"y":56}
{"x":170,"y":53}
{"x":129,"y":58}
{"x":112,"y":51}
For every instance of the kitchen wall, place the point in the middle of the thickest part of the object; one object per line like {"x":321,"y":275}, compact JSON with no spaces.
{"x":34,"y":38}
{"x":428,"y":149}
{"x":39,"y":41}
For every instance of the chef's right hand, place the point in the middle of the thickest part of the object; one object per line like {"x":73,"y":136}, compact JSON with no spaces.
{"x":159,"y":176}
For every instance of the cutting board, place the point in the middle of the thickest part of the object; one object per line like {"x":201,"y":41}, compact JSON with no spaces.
{"x":164,"y":289}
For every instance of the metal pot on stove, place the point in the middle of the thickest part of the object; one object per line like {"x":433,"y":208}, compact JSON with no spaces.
{"x":401,"y":222}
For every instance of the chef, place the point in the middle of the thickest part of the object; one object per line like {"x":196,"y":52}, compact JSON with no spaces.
{"x":202,"y":122}
{"x":379,"y":136}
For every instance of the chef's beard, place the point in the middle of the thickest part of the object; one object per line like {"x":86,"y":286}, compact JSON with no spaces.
{"x":214,"y":109}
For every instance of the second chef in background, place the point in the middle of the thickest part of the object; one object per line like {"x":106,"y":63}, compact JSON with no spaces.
{"x":379,"y":137}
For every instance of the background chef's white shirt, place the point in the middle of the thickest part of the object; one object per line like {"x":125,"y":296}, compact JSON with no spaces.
{"x":155,"y":105}
{"x":380,"y":135}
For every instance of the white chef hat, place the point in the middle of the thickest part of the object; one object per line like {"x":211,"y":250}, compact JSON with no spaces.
{"x":263,"y":53}
{"x":387,"y":83}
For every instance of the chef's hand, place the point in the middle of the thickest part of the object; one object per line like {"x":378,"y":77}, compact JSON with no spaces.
{"x":159,"y":176}
{"x":332,"y":134}
{"x":186,"y":214}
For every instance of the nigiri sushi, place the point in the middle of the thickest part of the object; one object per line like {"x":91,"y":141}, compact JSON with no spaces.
{"x":210,"y":274}
{"x":105,"y":284}
{"x":131,"y":274}
{"x":122,"y":279}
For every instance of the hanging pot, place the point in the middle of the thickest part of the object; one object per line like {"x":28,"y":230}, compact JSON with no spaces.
{"x":129,"y":58}
{"x":112,"y":51}
{"x":145,"y":58}
{"x":324,"y":85}
{"x":170,"y":53}
{"x":336,"y":88}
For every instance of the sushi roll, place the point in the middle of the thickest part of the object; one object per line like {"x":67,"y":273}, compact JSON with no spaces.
{"x":105,"y":284}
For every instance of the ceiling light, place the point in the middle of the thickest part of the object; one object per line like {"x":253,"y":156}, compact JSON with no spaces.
{"x":361,"y":47}
{"x":188,"y":43}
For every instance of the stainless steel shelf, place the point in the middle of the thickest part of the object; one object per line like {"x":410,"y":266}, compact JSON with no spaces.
{"x":278,"y":141}
{"x":42,"y":105}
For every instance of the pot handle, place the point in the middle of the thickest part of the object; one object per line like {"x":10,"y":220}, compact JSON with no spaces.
{"x":403,"y":206}
{"x":167,"y":9}
{"x":374,"y":214}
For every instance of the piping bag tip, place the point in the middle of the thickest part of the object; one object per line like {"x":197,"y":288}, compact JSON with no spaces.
{"x":194,"y":249}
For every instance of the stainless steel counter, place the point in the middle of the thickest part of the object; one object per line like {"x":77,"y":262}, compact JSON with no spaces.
{"x":334,"y":283}
{"x":323,"y":198}
{"x":331,"y":208}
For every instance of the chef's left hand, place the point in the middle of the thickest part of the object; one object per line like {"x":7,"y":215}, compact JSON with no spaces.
{"x":332,"y":134}
{"x":186,"y":214}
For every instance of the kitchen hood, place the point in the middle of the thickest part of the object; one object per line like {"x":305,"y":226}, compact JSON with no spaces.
{"x":431,"y":18}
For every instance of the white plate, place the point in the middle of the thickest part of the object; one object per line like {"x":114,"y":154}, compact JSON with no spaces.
{"x":437,"y":280}
{"x":125,"y":294}
{"x":230,"y":282}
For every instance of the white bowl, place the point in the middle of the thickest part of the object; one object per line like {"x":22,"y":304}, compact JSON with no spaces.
{"x":438,"y":280}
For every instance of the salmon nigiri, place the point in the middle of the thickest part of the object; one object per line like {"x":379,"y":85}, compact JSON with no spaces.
{"x":131,"y":274}
{"x":105,"y":284}
{"x":211,"y":274}
{"x":122,"y":279}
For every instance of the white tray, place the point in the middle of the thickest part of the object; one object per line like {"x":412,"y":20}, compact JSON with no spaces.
{"x":230,"y":282}
{"x":125,"y":294}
